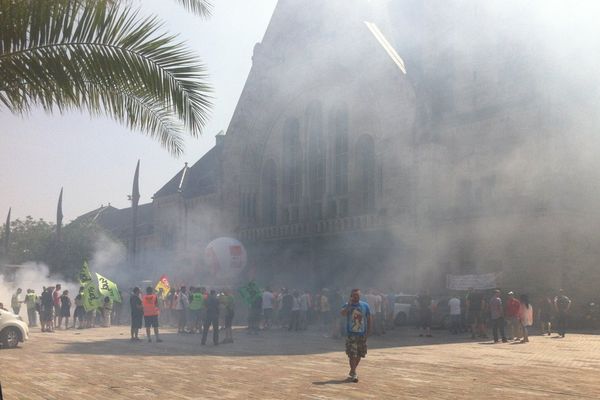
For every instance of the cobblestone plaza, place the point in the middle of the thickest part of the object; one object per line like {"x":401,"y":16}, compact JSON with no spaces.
{"x":103,"y":363}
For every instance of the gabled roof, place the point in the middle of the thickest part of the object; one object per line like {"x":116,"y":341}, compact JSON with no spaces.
{"x":198,"y":180}
{"x":93,"y":215}
{"x":119,"y":221}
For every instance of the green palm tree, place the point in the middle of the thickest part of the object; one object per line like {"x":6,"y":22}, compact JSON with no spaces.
{"x":103,"y":57}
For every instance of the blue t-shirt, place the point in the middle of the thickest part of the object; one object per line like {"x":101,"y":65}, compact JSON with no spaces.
{"x":357,"y":319}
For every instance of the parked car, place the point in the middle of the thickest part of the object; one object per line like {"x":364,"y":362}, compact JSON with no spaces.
{"x":404,"y":309}
{"x":12,"y":330}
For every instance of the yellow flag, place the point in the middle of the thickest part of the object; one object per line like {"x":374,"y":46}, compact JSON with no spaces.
{"x":163,"y":284}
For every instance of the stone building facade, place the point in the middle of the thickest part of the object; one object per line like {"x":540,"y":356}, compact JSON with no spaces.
{"x":391,"y":143}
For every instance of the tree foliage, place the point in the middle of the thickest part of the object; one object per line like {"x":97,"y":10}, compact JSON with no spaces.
{"x":104,"y":57}
{"x":36,"y":241}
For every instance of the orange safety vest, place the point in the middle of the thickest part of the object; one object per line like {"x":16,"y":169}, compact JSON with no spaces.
{"x":149,"y":302}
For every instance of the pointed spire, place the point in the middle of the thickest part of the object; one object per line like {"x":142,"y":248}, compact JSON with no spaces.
{"x":135,"y":193}
{"x":59,"y":215}
{"x":135,"y":199}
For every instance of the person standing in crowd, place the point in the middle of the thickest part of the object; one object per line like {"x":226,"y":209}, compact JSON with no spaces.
{"x":47,"y":308}
{"x":79,"y":313}
{"x":118,"y":310}
{"x":196,"y":299}
{"x":229,"y":307}
{"x":304,"y":307}
{"x":137,"y":313}
{"x":325,"y":310}
{"x":476,"y":313}
{"x":15,"y":301}
{"x":513,"y":307}
{"x":497,"y":316}
{"x":295,"y":315}
{"x":525,"y":316}
{"x":425,"y":313}
{"x":56,"y":300}
{"x":454,"y":306}
{"x":545,"y":315}
{"x":107,"y":307}
{"x":267,"y":308}
{"x":287,"y":301}
{"x":182,"y":307}
{"x":358,"y":327}
{"x":30,"y":303}
{"x":337,"y":324}
{"x":151,"y":312}
{"x":562,"y":305}
{"x":65,"y":309}
{"x":212,"y":318}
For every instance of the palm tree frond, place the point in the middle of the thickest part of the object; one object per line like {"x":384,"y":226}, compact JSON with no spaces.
{"x":51,"y":51}
{"x":202,"y":8}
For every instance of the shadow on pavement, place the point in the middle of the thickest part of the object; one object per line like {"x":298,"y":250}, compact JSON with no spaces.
{"x":333,"y":382}
{"x":266,"y":343}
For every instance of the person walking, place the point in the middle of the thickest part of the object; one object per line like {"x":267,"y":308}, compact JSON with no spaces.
{"x":525,"y":316}
{"x":497,"y":316}
{"x":212,"y":318}
{"x":137,"y":313}
{"x":358,"y":327}
{"x":562,"y":305}
{"x":151,"y":312}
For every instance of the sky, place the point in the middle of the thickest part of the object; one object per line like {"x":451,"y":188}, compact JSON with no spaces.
{"x":94,"y":158}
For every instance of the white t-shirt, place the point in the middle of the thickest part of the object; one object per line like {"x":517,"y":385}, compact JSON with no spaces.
{"x":182,"y":303}
{"x":304,"y":302}
{"x":267,"y":299}
{"x":454,"y":304}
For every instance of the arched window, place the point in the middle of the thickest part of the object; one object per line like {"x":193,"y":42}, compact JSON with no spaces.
{"x":316,"y":156}
{"x":365,"y":169}
{"x":292,"y":161}
{"x":340,"y":149}
{"x":248,"y":186}
{"x":269,"y":193}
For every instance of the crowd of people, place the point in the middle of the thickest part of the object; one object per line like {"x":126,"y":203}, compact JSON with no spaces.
{"x":53,"y":306}
{"x":509,"y":318}
{"x":200,"y":310}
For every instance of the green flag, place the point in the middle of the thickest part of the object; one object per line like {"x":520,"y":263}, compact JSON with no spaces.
{"x":108,"y":288}
{"x":91,"y":297}
{"x":85,"y":276}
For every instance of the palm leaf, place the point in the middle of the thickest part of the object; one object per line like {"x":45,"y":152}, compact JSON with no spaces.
{"x":198,"y":7}
{"x":104,"y":58}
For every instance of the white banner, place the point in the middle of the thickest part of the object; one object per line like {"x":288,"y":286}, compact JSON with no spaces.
{"x":465,"y":282}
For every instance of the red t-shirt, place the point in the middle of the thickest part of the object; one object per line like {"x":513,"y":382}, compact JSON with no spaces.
{"x":512,"y":307}
{"x":56,"y":297}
